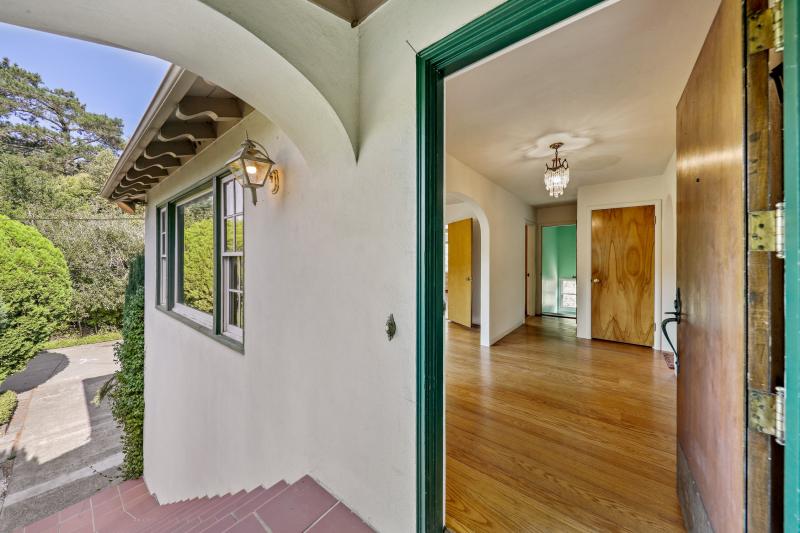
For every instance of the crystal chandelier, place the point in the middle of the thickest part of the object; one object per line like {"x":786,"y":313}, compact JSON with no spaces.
{"x":556,"y":176}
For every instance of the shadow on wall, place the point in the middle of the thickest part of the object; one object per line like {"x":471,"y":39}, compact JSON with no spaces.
{"x":68,"y":451}
{"x":41,"y":368}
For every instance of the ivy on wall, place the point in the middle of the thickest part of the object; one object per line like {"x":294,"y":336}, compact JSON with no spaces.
{"x":128,"y":393}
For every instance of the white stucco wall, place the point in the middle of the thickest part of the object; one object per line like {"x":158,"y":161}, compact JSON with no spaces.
{"x":320,"y":389}
{"x":504,"y":275}
{"x":658,"y":190}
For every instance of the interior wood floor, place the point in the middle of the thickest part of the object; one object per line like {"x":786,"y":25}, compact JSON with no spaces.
{"x":547,"y":432}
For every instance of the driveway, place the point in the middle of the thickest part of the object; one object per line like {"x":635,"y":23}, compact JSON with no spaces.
{"x":59,"y":448}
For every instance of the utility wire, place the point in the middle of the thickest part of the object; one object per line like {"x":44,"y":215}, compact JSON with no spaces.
{"x":68,"y":219}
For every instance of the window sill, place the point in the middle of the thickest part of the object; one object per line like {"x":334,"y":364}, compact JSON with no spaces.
{"x":233,"y":344}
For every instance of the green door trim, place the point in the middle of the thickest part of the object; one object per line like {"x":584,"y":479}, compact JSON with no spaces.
{"x":505,"y":25}
{"x":791,"y":125}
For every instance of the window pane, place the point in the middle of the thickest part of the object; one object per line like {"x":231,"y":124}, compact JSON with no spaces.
{"x":239,"y":233}
{"x":230,"y":207}
{"x":196,"y":221}
{"x":229,"y":235}
{"x":238,"y":191}
{"x":235,"y":306}
{"x":569,"y":286}
{"x":162,"y":293}
{"x":235,"y":272}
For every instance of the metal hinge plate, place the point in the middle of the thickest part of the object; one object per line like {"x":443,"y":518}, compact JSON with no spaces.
{"x":765,"y":28}
{"x":766,"y":412}
{"x":766,"y":231}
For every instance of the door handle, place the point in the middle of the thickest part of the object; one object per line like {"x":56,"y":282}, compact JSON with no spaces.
{"x":676,"y":318}
{"x":469,"y":278}
{"x":596,"y":280}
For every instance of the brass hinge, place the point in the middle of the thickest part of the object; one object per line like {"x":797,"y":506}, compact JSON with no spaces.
{"x":765,"y":28}
{"x":766,"y":412}
{"x":766,"y":231}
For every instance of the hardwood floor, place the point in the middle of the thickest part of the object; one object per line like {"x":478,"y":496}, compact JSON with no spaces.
{"x":546,"y":432}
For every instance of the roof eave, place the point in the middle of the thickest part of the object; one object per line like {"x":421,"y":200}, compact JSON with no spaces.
{"x":176,"y":82}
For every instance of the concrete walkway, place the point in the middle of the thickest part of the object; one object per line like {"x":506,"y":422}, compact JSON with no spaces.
{"x":59,"y":448}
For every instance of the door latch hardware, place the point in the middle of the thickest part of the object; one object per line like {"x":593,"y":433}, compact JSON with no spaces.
{"x":766,"y":412}
{"x":391,"y":327}
{"x":766,"y":231}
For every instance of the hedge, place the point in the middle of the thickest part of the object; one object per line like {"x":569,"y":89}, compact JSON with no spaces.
{"x":35,"y":293}
{"x":198,"y":269}
{"x":8,"y":403}
{"x":127,"y":395}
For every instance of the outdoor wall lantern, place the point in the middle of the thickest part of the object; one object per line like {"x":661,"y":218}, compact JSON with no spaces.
{"x":252,"y":166}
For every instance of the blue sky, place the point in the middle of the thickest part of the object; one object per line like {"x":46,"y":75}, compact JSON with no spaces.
{"x":108,"y":80}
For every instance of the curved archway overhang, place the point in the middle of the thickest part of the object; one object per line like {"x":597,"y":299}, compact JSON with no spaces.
{"x":486,"y":286}
{"x":199,"y":38}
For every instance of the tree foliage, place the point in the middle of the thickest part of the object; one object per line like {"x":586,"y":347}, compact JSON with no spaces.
{"x":34,"y":290}
{"x":127,"y":395}
{"x":51,"y":127}
{"x":54,"y":158}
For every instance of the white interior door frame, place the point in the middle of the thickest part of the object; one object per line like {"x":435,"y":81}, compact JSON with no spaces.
{"x":539,"y":234}
{"x":584,"y":269}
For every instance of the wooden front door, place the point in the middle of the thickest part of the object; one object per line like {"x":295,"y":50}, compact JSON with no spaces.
{"x":459,"y":272}
{"x":623,"y":245}
{"x":711,"y":278}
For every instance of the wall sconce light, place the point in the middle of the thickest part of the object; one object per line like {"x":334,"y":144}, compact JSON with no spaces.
{"x":252,"y":167}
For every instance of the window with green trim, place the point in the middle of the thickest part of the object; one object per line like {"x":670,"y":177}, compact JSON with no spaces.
{"x":194,"y":254}
{"x":233,"y":258}
{"x":200,"y":250}
{"x":162,"y":257}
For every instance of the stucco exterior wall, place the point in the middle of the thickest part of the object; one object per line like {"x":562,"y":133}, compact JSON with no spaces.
{"x":320,"y":389}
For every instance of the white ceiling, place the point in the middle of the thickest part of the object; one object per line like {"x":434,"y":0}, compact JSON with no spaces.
{"x":612,"y":79}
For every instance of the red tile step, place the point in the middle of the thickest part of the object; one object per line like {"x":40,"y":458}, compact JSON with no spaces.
{"x":281,"y":508}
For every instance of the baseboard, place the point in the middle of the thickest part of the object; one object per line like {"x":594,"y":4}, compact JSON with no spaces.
{"x":497,"y":338}
{"x":695,"y":517}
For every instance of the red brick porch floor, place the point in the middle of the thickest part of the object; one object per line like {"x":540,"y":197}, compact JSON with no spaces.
{"x":301,"y":507}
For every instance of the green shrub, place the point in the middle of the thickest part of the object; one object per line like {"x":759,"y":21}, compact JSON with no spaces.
{"x":127,"y":396}
{"x":35,"y":293}
{"x":8,"y":402}
{"x":67,"y":342}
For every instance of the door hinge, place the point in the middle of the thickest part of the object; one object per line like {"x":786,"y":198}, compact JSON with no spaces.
{"x":766,"y":231}
{"x":765,"y":28}
{"x":766,"y":412}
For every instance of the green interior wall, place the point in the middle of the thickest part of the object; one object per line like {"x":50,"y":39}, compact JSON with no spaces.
{"x":559,"y":261}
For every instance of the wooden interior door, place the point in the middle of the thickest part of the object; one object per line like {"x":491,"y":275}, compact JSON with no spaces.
{"x":711,"y":278}
{"x":623,"y":250}
{"x":459,"y":272}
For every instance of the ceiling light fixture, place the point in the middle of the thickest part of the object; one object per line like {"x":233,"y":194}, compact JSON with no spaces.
{"x":556,"y":176}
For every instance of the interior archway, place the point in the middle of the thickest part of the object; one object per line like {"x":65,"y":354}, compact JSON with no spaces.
{"x":485,"y":285}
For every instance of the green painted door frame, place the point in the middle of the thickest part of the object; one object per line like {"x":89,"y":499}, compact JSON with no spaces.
{"x":791,"y":125}
{"x":503,"y":26}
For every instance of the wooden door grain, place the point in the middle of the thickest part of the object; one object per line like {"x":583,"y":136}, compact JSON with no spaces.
{"x":459,"y":272}
{"x":711,"y":275}
{"x":623,"y":245}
